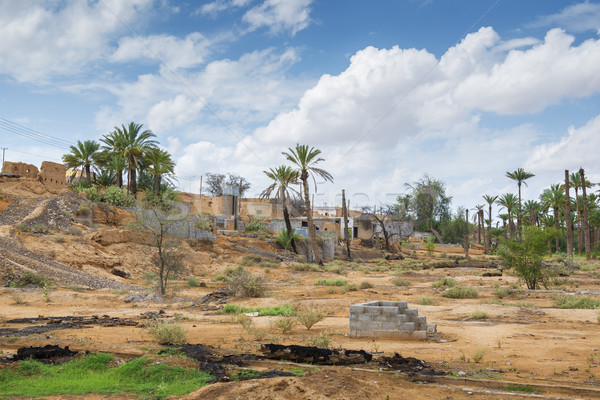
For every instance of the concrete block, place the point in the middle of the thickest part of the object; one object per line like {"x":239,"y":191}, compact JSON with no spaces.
{"x":401,"y":318}
{"x":389,"y":326}
{"x":420,"y":320}
{"x":353,"y":317}
{"x":388,"y":303}
{"x":406,"y":326}
{"x":419,"y":335}
{"x":365,"y":317}
{"x":353,"y":332}
{"x":389,"y":310}
{"x":382,"y":318}
{"x":357,"y":309}
{"x":372,"y":310}
{"x":402,"y":305}
{"x":431,"y":328}
{"x":411,"y":312}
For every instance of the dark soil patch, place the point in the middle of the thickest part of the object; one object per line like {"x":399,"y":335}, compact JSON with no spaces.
{"x":59,"y":323}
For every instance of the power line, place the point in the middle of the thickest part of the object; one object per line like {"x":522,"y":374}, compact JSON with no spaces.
{"x":32,"y":134}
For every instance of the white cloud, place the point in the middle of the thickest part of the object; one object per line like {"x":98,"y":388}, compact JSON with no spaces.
{"x":175,"y":53}
{"x":42,"y":40}
{"x":576,"y":18}
{"x":173,"y":113}
{"x":218,"y":6}
{"x":529,"y":80}
{"x":572,"y":150}
{"x":279,"y":15}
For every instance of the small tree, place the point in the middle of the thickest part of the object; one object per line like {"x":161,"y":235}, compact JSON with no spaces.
{"x":526,"y":256}
{"x":160,"y":220}
{"x":382,"y":216}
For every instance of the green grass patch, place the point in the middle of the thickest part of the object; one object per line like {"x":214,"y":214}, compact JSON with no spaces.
{"x":580,"y":302}
{"x":285,"y":310}
{"x":427,"y":301}
{"x":445,"y":282}
{"x":306,"y":267}
{"x":147,"y":377}
{"x":479,"y":314}
{"x":461,"y":292}
{"x":331,"y":282}
{"x":401,"y":282}
{"x":520,"y":388}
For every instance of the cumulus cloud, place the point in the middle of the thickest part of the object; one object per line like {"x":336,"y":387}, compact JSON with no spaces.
{"x":44,"y":40}
{"x":173,"y":113}
{"x":279,"y":15}
{"x":215,"y":7}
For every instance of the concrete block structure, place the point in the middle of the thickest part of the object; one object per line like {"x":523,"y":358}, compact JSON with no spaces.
{"x":388,"y":319}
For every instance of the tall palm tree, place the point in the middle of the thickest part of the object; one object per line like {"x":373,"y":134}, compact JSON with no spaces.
{"x":509,"y":202}
{"x":520,"y":176}
{"x":305,"y":159}
{"x":554,"y":197}
{"x":575,"y":179}
{"x":490,"y":200}
{"x":113,"y":144}
{"x":533,"y":210}
{"x":479,"y":209}
{"x":283,"y":178}
{"x":135,"y":143}
{"x":83,"y":155}
{"x":158,"y":163}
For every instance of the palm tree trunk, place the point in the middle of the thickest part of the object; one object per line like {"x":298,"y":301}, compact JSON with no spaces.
{"x":119,"y":178}
{"x":568,"y":218}
{"x":519,"y":216}
{"x":132,"y":179}
{"x":286,"y":218}
{"x":489,"y":232}
{"x":157,"y":183}
{"x":311,"y":226}
{"x":578,"y":219}
{"x":586,"y":227}
{"x":88,"y":175}
{"x":556,"y":228}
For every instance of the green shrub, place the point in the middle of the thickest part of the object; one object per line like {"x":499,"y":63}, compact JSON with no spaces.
{"x":599,"y":318}
{"x":479,"y":314}
{"x":166,"y":333}
{"x":506,"y":292}
{"x":256,"y":225}
{"x":84,"y":209}
{"x":526,"y":256}
{"x":401,"y":282}
{"x":331,"y":282}
{"x":310,"y":317}
{"x":286,"y":310}
{"x":461,"y":292}
{"x":40,"y":228}
{"x":306,"y":267}
{"x":244,"y":284}
{"x":427,"y":301}
{"x":33,"y":278}
{"x":269,"y":264}
{"x":23,"y":228}
{"x":580,"y":302}
{"x":204,"y":224}
{"x":251,"y":259}
{"x":353,"y":287}
{"x":194,"y":282}
{"x":430,"y":245}
{"x":322,"y":341}
{"x":118,"y":197}
{"x":366,"y":285}
{"x":284,"y":238}
{"x":92,"y":194}
{"x":59,"y":239}
{"x":336,"y":269}
{"x":447,"y":282}
{"x":285,"y":324}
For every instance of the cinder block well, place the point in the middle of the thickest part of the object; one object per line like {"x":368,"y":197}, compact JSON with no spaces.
{"x":391,"y":319}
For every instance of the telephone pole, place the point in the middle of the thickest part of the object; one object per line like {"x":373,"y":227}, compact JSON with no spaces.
{"x":3,"y":150}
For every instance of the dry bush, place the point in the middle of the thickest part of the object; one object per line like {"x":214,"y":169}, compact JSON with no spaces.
{"x":244,"y":284}
{"x":166,"y":333}
{"x":310,"y":317}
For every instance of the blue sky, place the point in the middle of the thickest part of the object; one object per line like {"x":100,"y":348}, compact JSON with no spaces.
{"x":388,"y":90}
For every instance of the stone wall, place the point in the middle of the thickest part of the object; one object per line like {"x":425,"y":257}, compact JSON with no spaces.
{"x":392,"y":319}
{"x":53,"y":175}
{"x":19,"y":168}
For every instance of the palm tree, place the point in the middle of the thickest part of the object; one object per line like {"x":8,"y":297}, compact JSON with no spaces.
{"x":158,"y":163}
{"x":554,"y":197}
{"x":113,"y":143}
{"x":490,"y":200}
{"x":509,"y":202}
{"x":83,"y":155}
{"x":283,"y":177}
{"x":479,"y":209}
{"x":533,"y":209}
{"x":520,"y":175}
{"x":576,"y":183}
{"x":134,"y":144}
{"x":305,"y":160}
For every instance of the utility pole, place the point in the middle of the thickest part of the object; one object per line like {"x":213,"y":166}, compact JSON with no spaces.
{"x":346,"y":233}
{"x":586,"y":226}
{"x":3,"y":150}
{"x":467,"y":234}
{"x":568,"y":218}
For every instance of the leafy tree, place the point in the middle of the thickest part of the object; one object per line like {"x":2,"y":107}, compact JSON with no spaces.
{"x":159,"y":220}
{"x":112,"y":154}
{"x":382,"y":216}
{"x":305,"y":160}
{"x":283,"y":178}
{"x":430,"y":203}
{"x":214,"y":183}
{"x":526,"y":257}
{"x":454,"y":229}
{"x":84,"y":155}
{"x":520,"y":176}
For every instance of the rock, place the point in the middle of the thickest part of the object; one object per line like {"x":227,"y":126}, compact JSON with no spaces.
{"x":121,"y":273}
